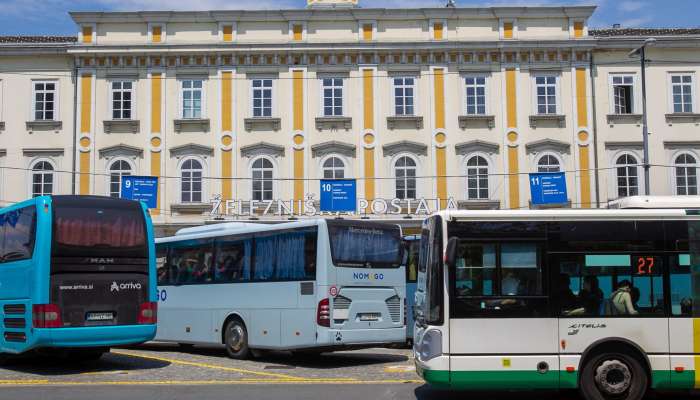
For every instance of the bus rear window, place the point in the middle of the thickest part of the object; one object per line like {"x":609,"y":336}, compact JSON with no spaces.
{"x":100,"y":228}
{"x":365,"y":245}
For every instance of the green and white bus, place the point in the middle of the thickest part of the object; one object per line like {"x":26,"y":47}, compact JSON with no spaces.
{"x":599,"y":300}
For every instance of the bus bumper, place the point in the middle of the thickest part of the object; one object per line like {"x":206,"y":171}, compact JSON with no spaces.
{"x":98,"y":336}
{"x":341,"y":337}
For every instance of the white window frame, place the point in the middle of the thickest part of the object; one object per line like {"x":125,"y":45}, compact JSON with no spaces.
{"x":556,"y":156}
{"x":489,"y":180}
{"x":415,"y":93}
{"x":274,"y":182}
{"x":615,"y":165}
{"x":180,"y":165}
{"x":110,"y":163}
{"x":203,"y":105}
{"x":325,"y":159}
{"x":674,"y":172}
{"x":557,"y":92}
{"x":486,"y":92}
{"x":635,"y":98}
{"x":671,"y":103}
{"x":343,"y":97}
{"x":54,"y":180}
{"x":110,"y":106}
{"x":56,"y":99}
{"x":396,"y":178}
{"x":273,"y":90}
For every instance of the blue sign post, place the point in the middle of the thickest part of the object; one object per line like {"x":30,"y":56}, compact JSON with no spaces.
{"x":338,"y":195}
{"x":548,"y":188}
{"x":141,"y":188}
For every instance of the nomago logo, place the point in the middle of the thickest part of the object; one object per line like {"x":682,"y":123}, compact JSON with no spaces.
{"x":124,"y":286}
{"x":366,"y":276}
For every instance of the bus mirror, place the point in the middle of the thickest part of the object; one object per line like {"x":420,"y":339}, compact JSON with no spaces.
{"x":451,"y":252}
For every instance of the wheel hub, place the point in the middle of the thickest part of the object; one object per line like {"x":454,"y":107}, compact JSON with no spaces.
{"x":613,"y":377}
{"x":236,"y":338}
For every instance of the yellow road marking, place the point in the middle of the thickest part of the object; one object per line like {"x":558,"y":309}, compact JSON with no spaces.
{"x":400,"y":368}
{"x":200,"y":382}
{"x":209,"y":366}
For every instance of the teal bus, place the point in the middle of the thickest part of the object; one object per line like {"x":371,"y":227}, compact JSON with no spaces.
{"x":77,"y":276}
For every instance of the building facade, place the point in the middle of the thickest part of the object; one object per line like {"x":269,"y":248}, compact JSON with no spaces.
{"x":425,"y":108}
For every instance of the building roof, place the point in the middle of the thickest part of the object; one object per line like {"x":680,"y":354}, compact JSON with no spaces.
{"x":38,"y":39}
{"x":643,"y":32}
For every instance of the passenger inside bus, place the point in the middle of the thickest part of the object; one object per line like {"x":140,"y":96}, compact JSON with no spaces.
{"x":591,"y":296}
{"x":621,"y":300}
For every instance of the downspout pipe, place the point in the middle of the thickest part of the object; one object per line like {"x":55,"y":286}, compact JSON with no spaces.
{"x":75,"y":124}
{"x":595,"y":132}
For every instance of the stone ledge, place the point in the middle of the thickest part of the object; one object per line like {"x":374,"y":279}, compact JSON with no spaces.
{"x":624,"y":119}
{"x":44,"y":125}
{"x":257,"y":122}
{"x":479,"y":204}
{"x":548,"y":206}
{"x":121,"y":126}
{"x":392,"y":122}
{"x":190,"y":208}
{"x":464,"y":120}
{"x":539,"y":118}
{"x":198,"y":124}
{"x":682,"y":118}
{"x":333,"y":123}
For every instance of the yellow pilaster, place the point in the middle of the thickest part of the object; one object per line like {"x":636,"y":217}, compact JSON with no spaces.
{"x":226,"y":126}
{"x":85,"y":129}
{"x":440,"y":152}
{"x":368,"y":107}
{"x":156,"y":110}
{"x":512,"y":136}
{"x":583,"y":148}
{"x":227,"y":168}
{"x":298,"y":125}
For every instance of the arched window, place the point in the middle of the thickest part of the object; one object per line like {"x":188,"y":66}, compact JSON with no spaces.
{"x":405,"y":172}
{"x":263,"y":173}
{"x":191,"y":177}
{"x":477,"y":178}
{"x":686,"y":175}
{"x":333,"y":168}
{"x":117,"y":170}
{"x":627,"y":179}
{"x":42,"y":178}
{"x":548,"y":163}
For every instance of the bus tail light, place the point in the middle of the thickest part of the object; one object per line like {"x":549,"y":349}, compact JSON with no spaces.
{"x":46,"y":316}
{"x":323,"y":314}
{"x":148,"y":313}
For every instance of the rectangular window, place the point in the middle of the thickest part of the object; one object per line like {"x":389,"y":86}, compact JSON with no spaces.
{"x":233,"y":256}
{"x":332,"y":97}
{"x":404,"y":95}
{"x":365,"y":246}
{"x":45,"y":100}
{"x":623,"y":90}
{"x":122,"y":97}
{"x":476,"y":95}
{"x":286,"y":256}
{"x":17,"y":231}
{"x":262,"y":97}
{"x":546,"y":90}
{"x":191,"y":262}
{"x":682,"y":93}
{"x":192,"y":94}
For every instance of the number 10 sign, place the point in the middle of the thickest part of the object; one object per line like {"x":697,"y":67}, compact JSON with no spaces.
{"x":338,"y":195}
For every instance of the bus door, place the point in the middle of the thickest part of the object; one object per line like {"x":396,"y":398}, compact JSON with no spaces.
{"x":501,"y":330}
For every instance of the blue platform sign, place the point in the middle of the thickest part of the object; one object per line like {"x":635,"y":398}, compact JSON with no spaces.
{"x":548,"y":188}
{"x":338,"y":195}
{"x":141,"y":188}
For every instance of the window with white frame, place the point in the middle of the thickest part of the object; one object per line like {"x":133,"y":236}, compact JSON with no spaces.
{"x":262,"y":97}
{"x":192,"y":95}
{"x":476,"y":95}
{"x":191,"y":172}
{"x":405,"y":173}
{"x":682,"y":93}
{"x":122,"y":98}
{"x":263,"y":175}
{"x":623,"y":94}
{"x":546,"y":93}
{"x":686,"y":169}
{"x":45,"y":93}
{"x":332,"y":91}
{"x":477,"y":178}
{"x":117,"y":170}
{"x":627,"y":175}
{"x":404,"y":95}
{"x":333,"y":168}
{"x":548,"y":163}
{"x":42,"y":178}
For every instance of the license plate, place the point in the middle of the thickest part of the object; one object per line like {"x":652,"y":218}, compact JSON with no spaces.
{"x":100,"y":316}
{"x":369,"y":317}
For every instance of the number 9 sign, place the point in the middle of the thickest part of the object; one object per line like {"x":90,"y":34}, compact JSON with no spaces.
{"x":127,"y":183}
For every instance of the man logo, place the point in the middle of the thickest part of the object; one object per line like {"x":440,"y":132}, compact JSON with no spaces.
{"x":114,"y":287}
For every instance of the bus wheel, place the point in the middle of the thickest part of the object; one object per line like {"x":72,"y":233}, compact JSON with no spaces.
{"x":236,"y":339}
{"x":615,"y":376}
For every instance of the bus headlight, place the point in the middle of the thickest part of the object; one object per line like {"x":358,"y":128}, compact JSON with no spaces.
{"x":430,"y":345}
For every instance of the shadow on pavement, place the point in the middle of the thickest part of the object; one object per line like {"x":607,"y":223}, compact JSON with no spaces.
{"x":426,"y":392}
{"x":54,"y":366}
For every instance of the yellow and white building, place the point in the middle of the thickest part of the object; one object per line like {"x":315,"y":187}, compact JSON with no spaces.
{"x":427,"y":108}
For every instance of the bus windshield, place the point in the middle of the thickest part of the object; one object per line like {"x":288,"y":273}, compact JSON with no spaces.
{"x":113,"y":229}
{"x":365,"y":245}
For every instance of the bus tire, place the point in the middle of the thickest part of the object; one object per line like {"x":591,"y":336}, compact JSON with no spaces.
{"x":236,"y":340}
{"x":616,"y":376}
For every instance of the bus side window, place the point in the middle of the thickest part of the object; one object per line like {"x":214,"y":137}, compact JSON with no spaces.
{"x":162,"y":265}
{"x":310,"y":249}
{"x":435,"y":300}
{"x":233,"y":260}
{"x":193,"y":262}
{"x":681,"y":285}
{"x":17,"y":234}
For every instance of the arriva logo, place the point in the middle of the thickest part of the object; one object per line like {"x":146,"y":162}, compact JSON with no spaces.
{"x":124,"y":286}
{"x":367,"y":276}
